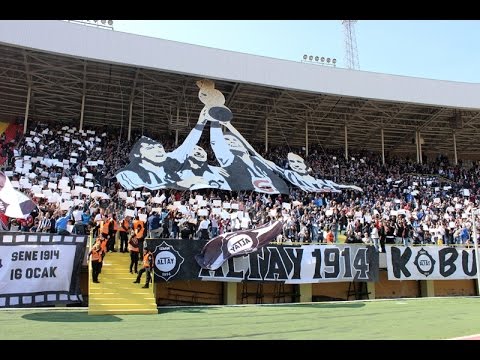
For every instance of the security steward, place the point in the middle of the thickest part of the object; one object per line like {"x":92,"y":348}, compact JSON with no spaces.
{"x":96,"y":258}
{"x":147,"y":267}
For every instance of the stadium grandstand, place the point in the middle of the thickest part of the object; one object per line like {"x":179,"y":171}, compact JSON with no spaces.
{"x":411,"y":144}
{"x":80,"y":74}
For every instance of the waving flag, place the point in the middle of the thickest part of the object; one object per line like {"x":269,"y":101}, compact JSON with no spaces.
{"x":3,"y":222}
{"x":236,"y":243}
{"x":13,"y":203}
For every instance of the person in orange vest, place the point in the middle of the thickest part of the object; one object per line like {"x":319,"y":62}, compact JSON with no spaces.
{"x":330,"y":237}
{"x":104,"y":227}
{"x":123,"y":230}
{"x":147,"y":267}
{"x":96,"y":258}
{"x":103,"y":247}
{"x":139,"y":230}
{"x":134,"y":249}
{"x":112,"y":231}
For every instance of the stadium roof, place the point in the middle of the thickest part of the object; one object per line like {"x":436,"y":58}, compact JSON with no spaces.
{"x":62,"y":62}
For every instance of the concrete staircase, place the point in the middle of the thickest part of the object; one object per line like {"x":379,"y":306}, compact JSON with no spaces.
{"x":116,"y":294}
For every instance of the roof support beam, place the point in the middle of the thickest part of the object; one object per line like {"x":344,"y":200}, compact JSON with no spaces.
{"x":82,"y":109}
{"x":130,"y":108}
{"x":29,"y":92}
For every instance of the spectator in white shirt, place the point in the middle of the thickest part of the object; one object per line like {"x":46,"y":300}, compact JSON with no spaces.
{"x":78,"y":220}
{"x":203,"y":229}
{"x":375,"y":238}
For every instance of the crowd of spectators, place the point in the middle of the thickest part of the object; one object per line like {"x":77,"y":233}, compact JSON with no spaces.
{"x":70,"y":174}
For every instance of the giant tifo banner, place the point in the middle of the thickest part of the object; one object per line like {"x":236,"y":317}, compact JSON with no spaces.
{"x":430,"y":263}
{"x":238,"y":165}
{"x":292,"y":264}
{"x":40,"y":269}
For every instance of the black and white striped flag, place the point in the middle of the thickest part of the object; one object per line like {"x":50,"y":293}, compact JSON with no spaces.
{"x":13,"y":203}
{"x":221,"y":248}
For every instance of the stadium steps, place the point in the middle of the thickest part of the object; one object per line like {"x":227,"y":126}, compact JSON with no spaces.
{"x":116,"y":294}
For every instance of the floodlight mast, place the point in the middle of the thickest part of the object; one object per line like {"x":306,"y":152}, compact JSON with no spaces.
{"x":351,"y":52}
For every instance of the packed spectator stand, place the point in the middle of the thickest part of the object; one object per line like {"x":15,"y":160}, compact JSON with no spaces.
{"x":70,"y":174}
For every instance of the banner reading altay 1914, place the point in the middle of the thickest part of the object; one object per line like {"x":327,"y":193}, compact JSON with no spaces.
{"x":291,"y":264}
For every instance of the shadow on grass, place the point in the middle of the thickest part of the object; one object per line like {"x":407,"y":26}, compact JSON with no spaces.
{"x":186,"y":309}
{"x":70,"y":316}
{"x":336,"y":305}
{"x":199,"y":309}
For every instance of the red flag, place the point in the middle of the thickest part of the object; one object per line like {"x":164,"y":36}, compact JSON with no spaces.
{"x":3,"y":222}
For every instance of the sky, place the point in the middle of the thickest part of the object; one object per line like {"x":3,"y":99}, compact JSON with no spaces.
{"x":432,"y":49}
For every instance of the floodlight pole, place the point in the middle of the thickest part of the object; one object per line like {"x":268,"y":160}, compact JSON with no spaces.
{"x":476,"y":249}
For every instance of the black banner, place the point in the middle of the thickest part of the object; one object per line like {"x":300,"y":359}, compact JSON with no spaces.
{"x":39,"y":269}
{"x":292,"y":264}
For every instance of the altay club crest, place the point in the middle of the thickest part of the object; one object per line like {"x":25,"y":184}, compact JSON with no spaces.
{"x":167,"y":261}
